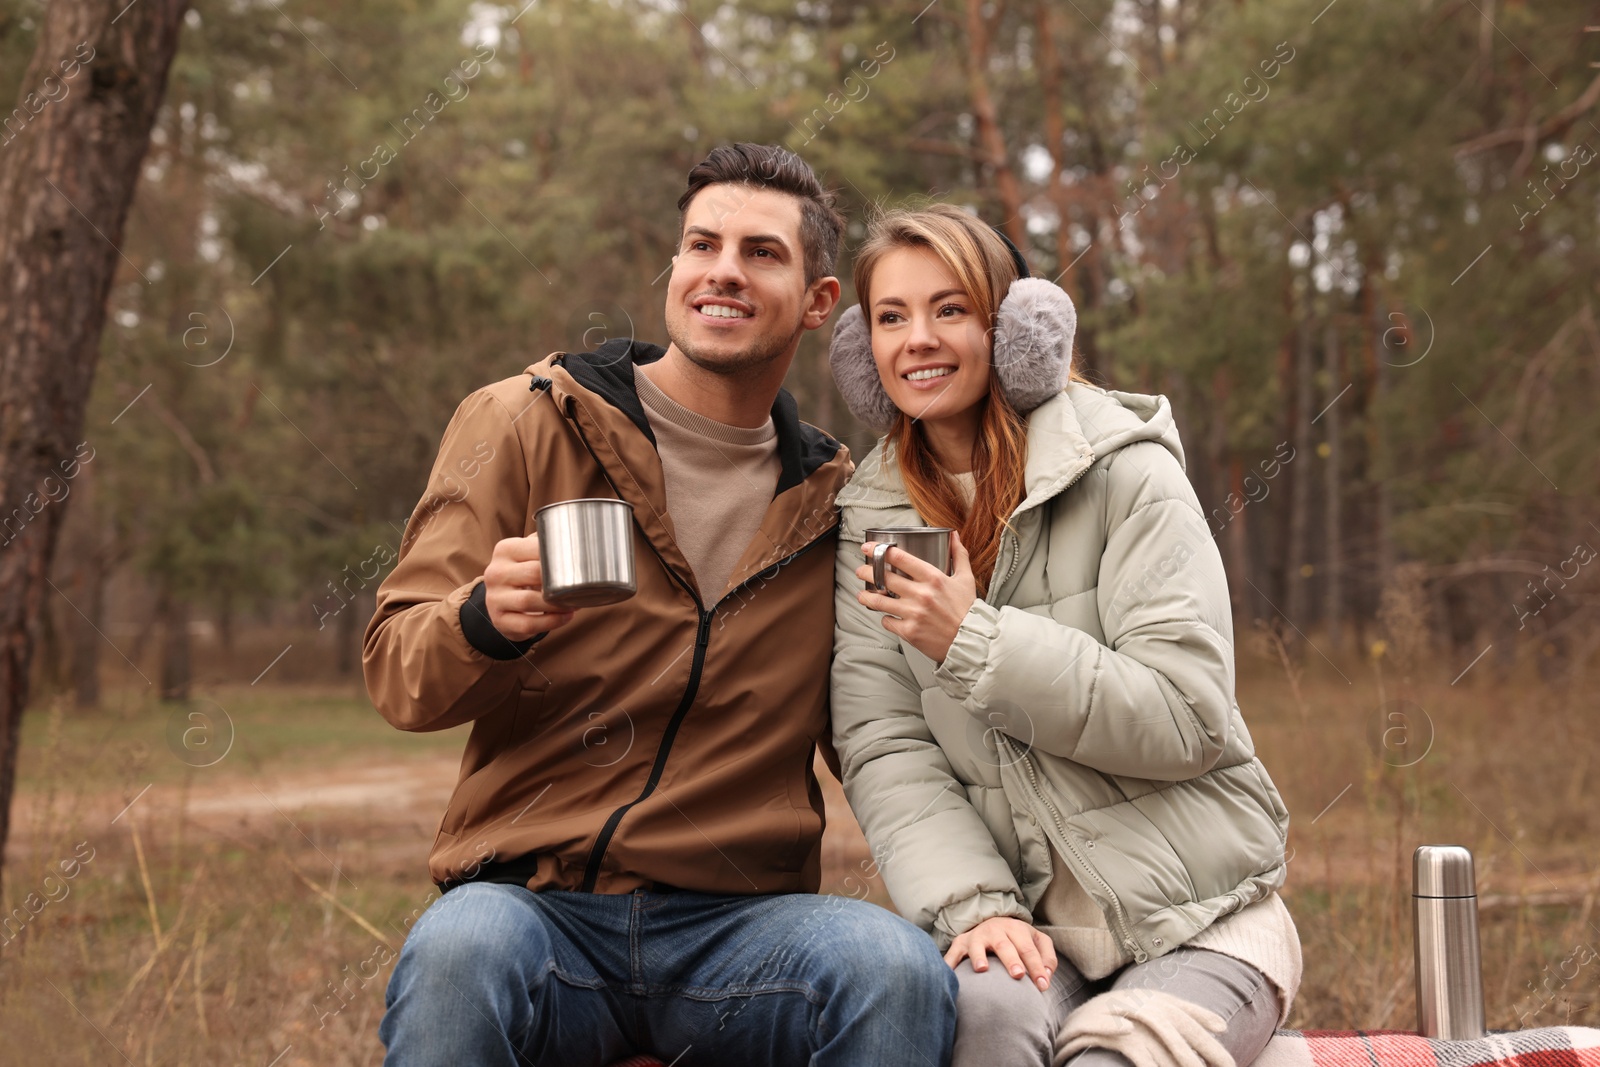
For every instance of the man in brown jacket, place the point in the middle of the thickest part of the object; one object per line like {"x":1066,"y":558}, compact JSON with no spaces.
{"x":631,"y":856}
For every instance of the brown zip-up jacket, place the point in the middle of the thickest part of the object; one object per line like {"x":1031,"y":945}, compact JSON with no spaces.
{"x":663,"y":741}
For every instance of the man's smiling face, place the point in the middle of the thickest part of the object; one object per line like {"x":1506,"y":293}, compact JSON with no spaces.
{"x":738,"y":299}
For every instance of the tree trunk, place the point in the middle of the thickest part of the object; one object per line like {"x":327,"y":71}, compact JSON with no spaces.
{"x":1275,"y":522}
{"x":1377,"y":458}
{"x":1297,"y":599}
{"x":50,"y":666}
{"x":990,"y":140}
{"x":66,"y":181}
{"x":90,"y":554}
{"x":347,"y":635}
{"x":1229,"y":509}
{"x":225,"y":613}
{"x":176,"y":659}
{"x":1055,"y":140}
{"x":1085,"y":358}
{"x":1334,"y":487}
{"x":90,"y":582}
{"x":1246,"y":606}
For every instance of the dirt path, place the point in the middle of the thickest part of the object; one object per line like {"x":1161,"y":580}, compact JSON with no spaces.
{"x":398,"y":802}
{"x":394,"y":807}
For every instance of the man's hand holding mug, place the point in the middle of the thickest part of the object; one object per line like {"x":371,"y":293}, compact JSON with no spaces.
{"x":513,"y":590}
{"x":580,"y":556}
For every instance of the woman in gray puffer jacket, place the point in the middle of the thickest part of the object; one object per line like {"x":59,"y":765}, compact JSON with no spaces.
{"x":1043,"y":747}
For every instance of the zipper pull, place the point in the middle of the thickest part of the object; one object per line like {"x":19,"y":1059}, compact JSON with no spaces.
{"x":703,"y":637}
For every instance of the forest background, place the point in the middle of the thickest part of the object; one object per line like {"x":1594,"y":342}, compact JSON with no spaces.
{"x":1353,"y":242}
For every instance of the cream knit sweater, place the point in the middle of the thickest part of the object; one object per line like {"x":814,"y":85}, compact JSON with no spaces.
{"x":1261,"y":934}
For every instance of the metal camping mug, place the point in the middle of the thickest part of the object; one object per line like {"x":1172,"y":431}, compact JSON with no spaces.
{"x":928,"y":543}
{"x":586,"y":552}
{"x":1444,"y":911}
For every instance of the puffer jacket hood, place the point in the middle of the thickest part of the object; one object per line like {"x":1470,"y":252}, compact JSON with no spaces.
{"x":1065,"y":434}
{"x":1086,"y":704}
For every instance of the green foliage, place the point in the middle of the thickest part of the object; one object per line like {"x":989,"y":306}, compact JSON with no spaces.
{"x":371,"y":272}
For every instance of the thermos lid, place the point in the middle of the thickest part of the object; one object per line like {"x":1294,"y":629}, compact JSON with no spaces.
{"x":1442,"y":871}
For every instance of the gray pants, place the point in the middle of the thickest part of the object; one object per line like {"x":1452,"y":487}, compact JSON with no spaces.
{"x":1003,"y":1021}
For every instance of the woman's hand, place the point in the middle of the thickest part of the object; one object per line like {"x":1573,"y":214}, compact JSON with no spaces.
{"x":1017,"y":945}
{"x":928,"y":606}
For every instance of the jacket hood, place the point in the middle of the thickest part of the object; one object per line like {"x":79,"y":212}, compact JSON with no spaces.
{"x":1066,"y":435}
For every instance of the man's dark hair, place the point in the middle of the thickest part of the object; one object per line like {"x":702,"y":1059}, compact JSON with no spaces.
{"x":764,"y":166}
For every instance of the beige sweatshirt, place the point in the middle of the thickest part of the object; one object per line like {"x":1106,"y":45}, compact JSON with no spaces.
{"x":719,"y":481}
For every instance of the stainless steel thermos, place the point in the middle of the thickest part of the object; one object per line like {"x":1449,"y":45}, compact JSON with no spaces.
{"x":1444,"y":912}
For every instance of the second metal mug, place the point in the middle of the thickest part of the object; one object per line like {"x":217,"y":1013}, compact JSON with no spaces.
{"x":928,"y":543}
{"x":586,"y":552}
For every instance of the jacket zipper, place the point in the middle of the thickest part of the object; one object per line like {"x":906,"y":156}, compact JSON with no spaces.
{"x":702,"y":639}
{"x":1016,"y":542}
{"x":1016,"y":555}
{"x":1119,"y":916}
{"x":1123,"y":932}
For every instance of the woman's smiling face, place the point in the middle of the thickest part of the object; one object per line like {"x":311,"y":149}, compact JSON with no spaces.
{"x":932,"y":350}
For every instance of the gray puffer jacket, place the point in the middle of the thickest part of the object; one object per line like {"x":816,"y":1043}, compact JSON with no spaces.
{"x":1087,"y":702}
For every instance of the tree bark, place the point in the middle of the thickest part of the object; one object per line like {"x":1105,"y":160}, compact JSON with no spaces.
{"x":90,"y":552}
{"x":990,"y":139}
{"x":1377,"y":457}
{"x":50,"y":665}
{"x":90,"y":580}
{"x":347,"y":633}
{"x":225,"y":613}
{"x":1297,"y":598}
{"x":1085,"y":357}
{"x":1054,"y":138}
{"x":67,"y":178}
{"x":1334,"y":488}
{"x":1275,"y":523}
{"x":1246,"y":605}
{"x":1230,"y":508}
{"x":177,"y":660}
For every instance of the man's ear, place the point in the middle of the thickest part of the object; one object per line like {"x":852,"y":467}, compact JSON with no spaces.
{"x":823,"y":298}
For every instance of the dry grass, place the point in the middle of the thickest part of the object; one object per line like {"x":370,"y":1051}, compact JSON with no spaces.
{"x":235,"y":914}
{"x":1384,"y":751}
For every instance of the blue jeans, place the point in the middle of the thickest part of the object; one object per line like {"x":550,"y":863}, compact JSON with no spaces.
{"x":494,"y":975}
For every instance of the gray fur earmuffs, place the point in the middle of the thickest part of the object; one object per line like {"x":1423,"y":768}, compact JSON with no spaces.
{"x":1032,"y":352}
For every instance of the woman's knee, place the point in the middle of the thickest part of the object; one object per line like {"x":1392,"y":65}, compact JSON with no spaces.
{"x":1001,"y":1019}
{"x":1246,"y":999}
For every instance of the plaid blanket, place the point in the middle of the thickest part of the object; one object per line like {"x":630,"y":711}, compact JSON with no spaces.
{"x":1550,"y":1046}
